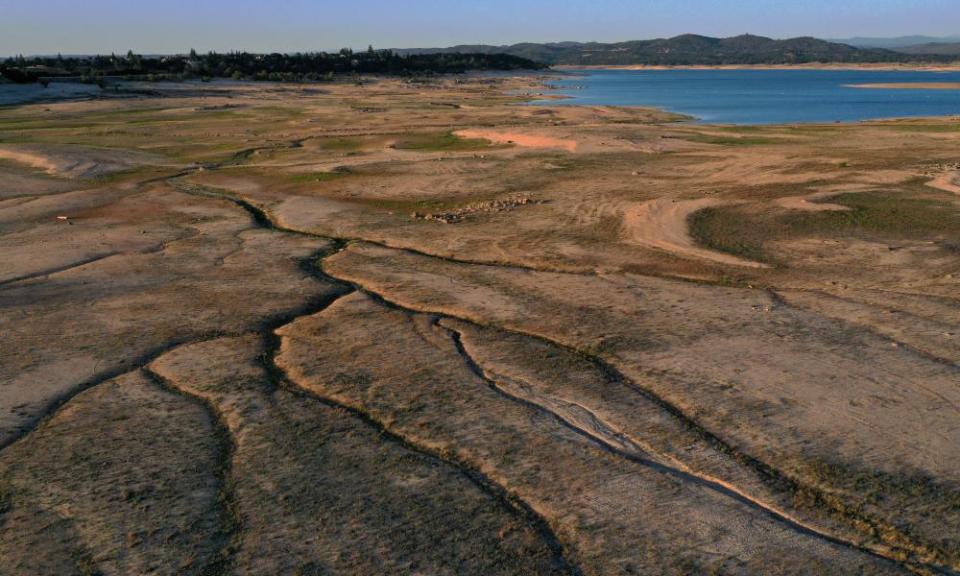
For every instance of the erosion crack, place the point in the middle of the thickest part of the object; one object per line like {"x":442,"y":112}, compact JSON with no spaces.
{"x":767,"y":473}
{"x":232,"y":523}
{"x":510,"y":502}
{"x":496,"y":384}
{"x":58,"y":269}
{"x":137,"y":363}
{"x":920,"y":353}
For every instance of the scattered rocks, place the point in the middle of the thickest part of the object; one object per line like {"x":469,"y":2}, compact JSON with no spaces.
{"x":940,"y":168}
{"x":487,"y":206}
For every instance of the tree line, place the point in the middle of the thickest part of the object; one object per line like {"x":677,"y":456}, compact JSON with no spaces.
{"x":311,"y":66}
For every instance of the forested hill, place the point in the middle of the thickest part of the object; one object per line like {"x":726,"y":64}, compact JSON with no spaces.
{"x":242,"y":65}
{"x":691,"y":49}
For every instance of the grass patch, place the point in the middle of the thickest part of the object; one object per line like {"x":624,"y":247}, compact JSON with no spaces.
{"x":32,"y":125}
{"x":746,"y":129}
{"x":6,"y":501}
{"x":135,"y":173}
{"x":128,"y":112}
{"x":727,"y":230}
{"x":440,"y":142}
{"x":934,"y":128}
{"x":342,"y":144}
{"x":112,"y":177}
{"x":225,"y":154}
{"x":864,"y":492}
{"x":910,"y":215}
{"x":887,"y":214}
{"x":282,"y":111}
{"x":308,"y":177}
{"x":733,"y":140}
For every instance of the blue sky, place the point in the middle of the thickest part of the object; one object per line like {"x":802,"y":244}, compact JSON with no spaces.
{"x":152,"y":26}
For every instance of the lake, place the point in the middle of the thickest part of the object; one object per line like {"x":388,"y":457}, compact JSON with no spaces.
{"x":763,"y":96}
{"x":14,"y":94}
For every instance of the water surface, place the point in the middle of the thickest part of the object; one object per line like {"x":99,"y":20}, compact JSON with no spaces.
{"x":13,"y":94}
{"x":764,"y":96}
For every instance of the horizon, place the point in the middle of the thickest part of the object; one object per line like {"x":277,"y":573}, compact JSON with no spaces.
{"x":546,"y":42}
{"x":112,"y":26}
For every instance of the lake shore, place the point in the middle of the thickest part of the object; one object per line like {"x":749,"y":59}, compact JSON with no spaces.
{"x":719,"y":96}
{"x":908,"y":86}
{"x":886,"y":67}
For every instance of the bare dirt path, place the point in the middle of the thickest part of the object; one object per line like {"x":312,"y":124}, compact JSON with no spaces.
{"x":808,"y":202}
{"x":946,"y":182}
{"x":662,"y":224}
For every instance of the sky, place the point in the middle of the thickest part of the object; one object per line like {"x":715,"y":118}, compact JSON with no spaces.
{"x":174,"y":26}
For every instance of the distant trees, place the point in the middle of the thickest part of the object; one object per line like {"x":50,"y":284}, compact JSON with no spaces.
{"x":313,"y":66}
{"x":135,"y":61}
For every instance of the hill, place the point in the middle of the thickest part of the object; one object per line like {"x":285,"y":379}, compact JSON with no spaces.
{"x":690,"y":49}
{"x":938,"y":48}
{"x":896,"y":42}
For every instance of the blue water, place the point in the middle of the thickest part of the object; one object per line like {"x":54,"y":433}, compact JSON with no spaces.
{"x":764,"y":96}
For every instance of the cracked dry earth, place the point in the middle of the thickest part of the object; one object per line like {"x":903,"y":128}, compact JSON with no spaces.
{"x":236,"y":338}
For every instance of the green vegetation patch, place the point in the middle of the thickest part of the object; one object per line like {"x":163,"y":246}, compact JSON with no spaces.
{"x":284,"y":111}
{"x":117,"y":176}
{"x":6,"y":500}
{"x":342,"y":144}
{"x":888,"y":215}
{"x":441,"y":142}
{"x":935,"y":128}
{"x":745,"y":129}
{"x":733,"y":140}
{"x":124,"y":112}
{"x":877,"y":490}
{"x":307,"y":177}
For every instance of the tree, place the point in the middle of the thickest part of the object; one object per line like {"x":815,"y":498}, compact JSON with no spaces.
{"x":134,"y":60}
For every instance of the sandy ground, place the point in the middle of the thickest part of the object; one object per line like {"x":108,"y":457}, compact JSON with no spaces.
{"x":412,"y":327}
{"x":947,"y":182}
{"x":811,"y":202}
{"x":520,"y":139}
{"x":76,"y":163}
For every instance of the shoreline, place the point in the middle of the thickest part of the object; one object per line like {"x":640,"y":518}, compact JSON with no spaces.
{"x":683,"y":118}
{"x":907,"y":86}
{"x":880,"y":67}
